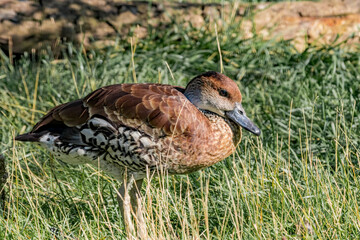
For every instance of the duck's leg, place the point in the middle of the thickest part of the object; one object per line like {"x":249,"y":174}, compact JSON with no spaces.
{"x":129,"y":194}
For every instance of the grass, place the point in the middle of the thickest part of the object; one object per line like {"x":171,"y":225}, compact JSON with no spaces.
{"x":301,"y":173}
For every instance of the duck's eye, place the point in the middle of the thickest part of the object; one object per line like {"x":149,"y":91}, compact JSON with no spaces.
{"x":223,"y":93}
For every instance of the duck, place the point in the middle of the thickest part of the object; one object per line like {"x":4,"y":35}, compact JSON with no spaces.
{"x":130,"y":130}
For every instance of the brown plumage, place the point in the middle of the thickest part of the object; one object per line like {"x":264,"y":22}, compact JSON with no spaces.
{"x":130,"y":128}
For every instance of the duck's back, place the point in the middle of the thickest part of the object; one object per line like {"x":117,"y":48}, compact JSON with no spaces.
{"x":126,"y":126}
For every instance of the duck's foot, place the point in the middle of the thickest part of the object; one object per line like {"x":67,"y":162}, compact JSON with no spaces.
{"x":129,"y":199}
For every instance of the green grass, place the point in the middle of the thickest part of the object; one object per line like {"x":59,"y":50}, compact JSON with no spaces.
{"x":302,"y":170}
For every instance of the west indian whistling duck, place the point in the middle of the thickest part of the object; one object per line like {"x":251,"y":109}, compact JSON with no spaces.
{"x":132,"y":129}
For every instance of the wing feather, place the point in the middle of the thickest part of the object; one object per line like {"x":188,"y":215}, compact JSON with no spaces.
{"x":148,"y":107}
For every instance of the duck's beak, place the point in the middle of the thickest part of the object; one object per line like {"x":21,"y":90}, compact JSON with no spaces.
{"x":238,"y":116}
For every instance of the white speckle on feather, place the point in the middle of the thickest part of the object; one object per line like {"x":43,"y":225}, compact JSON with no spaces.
{"x":126,"y":145}
{"x":48,"y":139}
{"x":81,"y":152}
{"x":100,"y":138}
{"x":121,"y":130}
{"x":127,"y":134}
{"x":135,"y":135}
{"x":146,"y":142}
{"x":98,"y":122}
{"x":88,"y":133}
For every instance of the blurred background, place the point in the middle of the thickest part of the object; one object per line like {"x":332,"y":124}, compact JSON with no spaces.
{"x":34,"y":25}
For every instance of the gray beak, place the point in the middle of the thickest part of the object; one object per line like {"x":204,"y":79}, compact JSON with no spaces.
{"x":238,"y":116}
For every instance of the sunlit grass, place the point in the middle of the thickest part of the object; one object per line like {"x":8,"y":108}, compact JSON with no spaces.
{"x":301,"y":173}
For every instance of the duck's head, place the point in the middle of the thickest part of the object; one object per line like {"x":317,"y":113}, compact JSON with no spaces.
{"x":215,"y":92}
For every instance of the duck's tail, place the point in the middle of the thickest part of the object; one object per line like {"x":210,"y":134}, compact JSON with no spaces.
{"x":28,"y":137}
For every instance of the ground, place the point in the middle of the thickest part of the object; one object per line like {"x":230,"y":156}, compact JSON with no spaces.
{"x":299,"y":179}
{"x":32,"y":25}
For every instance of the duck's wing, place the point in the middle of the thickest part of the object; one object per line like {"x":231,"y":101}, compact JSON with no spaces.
{"x":155,"y":109}
{"x":58,"y":120}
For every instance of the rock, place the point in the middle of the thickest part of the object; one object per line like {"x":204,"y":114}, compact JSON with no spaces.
{"x":320,"y":22}
{"x":25,"y":8}
{"x":140,"y":32}
{"x":211,"y":13}
{"x":8,"y":14}
{"x":123,"y":19}
{"x":30,"y":25}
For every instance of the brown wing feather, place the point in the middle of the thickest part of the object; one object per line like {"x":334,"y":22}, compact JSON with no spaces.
{"x":69,"y":114}
{"x":149,"y":107}
{"x":146,"y":106}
